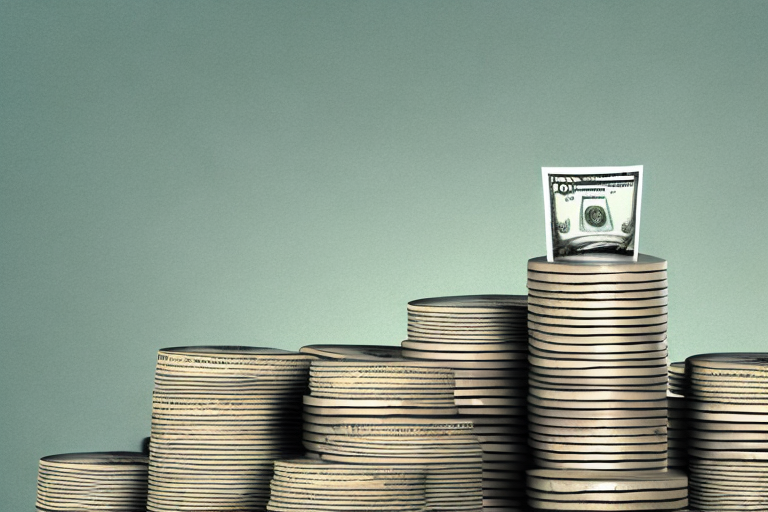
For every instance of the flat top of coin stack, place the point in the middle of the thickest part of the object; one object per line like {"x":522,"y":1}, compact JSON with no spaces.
{"x":597,"y":263}
{"x":728,"y":430}
{"x":606,"y":491}
{"x":220,"y":417}
{"x":93,"y":481}
{"x":306,"y":484}
{"x":354,"y":352}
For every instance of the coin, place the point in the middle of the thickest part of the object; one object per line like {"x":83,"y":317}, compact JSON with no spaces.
{"x":617,"y":277}
{"x":469,"y":303}
{"x":355,"y":352}
{"x":609,"y":287}
{"x":596,"y":265}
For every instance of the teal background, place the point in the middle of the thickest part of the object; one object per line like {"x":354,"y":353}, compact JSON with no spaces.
{"x":288,"y":173}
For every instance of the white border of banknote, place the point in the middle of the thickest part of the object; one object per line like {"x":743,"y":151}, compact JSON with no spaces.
{"x":547,"y":171}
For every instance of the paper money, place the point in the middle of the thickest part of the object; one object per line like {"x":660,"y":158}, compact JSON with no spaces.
{"x":592,"y":210}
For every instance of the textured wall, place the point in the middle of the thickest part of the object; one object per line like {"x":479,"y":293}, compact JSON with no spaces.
{"x":287,"y":173}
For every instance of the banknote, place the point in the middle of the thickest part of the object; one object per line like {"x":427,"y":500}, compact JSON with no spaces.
{"x":592,"y":210}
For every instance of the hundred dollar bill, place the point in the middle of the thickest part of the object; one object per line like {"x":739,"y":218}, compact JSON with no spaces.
{"x":592,"y":210}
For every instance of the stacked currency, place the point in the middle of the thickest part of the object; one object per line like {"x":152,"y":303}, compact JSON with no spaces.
{"x":677,"y":422}
{"x":220,"y":417}
{"x":448,"y":451}
{"x":597,"y":396}
{"x":606,"y":491}
{"x":312,"y":485}
{"x":484,"y":339}
{"x":728,"y":434}
{"x":114,"y":481}
{"x":678,"y":382}
{"x":394,"y":413}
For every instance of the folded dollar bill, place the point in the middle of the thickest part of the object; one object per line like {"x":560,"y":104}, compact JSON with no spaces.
{"x":592,"y":210}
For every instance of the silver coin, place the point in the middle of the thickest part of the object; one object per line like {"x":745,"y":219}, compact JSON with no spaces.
{"x":356,"y":352}
{"x":599,"y":278}
{"x":597,"y":264}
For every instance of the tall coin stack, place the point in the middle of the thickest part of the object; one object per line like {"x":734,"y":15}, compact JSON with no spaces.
{"x":728,"y":435}
{"x":597,"y":396}
{"x":220,"y":417}
{"x":395,"y":413}
{"x":484,"y":339}
{"x":83,"y":482}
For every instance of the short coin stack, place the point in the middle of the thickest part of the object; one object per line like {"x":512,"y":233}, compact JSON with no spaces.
{"x":114,"y":481}
{"x":317,"y":486}
{"x":448,"y":451}
{"x":395,"y":413}
{"x":678,"y":382}
{"x":606,"y":491}
{"x":345,"y":392}
{"x":220,"y":417}
{"x":677,"y":423}
{"x":728,"y":443}
{"x":484,"y":339}
{"x":597,"y":397}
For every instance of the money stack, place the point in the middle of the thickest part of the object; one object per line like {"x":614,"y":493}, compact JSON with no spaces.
{"x":484,"y":339}
{"x":728,"y":435}
{"x":220,"y":417}
{"x":312,"y":485}
{"x":571,"y":490}
{"x":114,"y":481}
{"x":677,"y":423}
{"x":678,"y":382}
{"x":395,"y":413}
{"x":597,"y":396}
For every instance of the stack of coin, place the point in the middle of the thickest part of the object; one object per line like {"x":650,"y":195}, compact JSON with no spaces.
{"x":312,"y":485}
{"x":220,"y":417}
{"x":114,"y":481}
{"x":677,"y":431}
{"x":677,"y":424}
{"x":597,"y":397}
{"x":606,"y":491}
{"x":448,"y":450}
{"x":345,"y":392}
{"x":484,"y":339}
{"x":678,"y":383}
{"x":393,"y":412}
{"x":728,"y":435}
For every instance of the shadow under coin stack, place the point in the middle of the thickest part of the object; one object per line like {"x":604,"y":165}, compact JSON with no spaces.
{"x":114,"y":481}
{"x":484,"y":339}
{"x":677,"y":423}
{"x":397,"y":414}
{"x":220,"y":417}
{"x":317,"y":486}
{"x":728,"y":443}
{"x":597,"y":396}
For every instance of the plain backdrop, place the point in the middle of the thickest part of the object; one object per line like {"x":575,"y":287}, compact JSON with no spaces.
{"x":290,"y":173}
